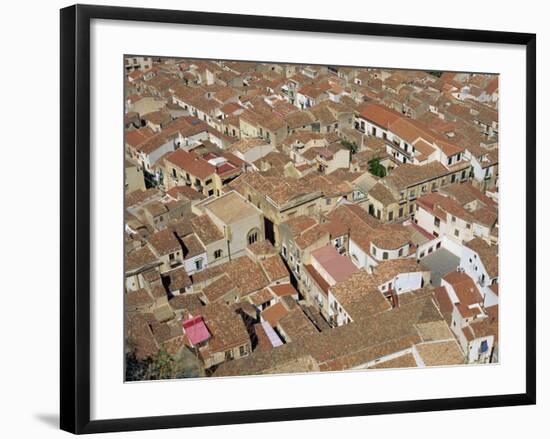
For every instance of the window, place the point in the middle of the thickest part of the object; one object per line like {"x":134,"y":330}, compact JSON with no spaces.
{"x":207,"y":182}
{"x":453,"y":178}
{"x":218,"y":254}
{"x":198,"y":264}
{"x":373,"y":250}
{"x":252,"y":237}
{"x":453,"y":219}
{"x":468,"y":226}
{"x":174,"y":173}
{"x":411,"y":208}
{"x":484,"y":347}
{"x":171,"y":256}
{"x":243,"y":351}
{"x":390,"y":216}
{"x":457,"y":232}
{"x":284,"y":250}
{"x":436,"y":222}
{"x":400,"y":212}
{"x":449,"y":160}
{"x":438,"y":245}
{"x":400,"y":252}
{"x":385,"y":255}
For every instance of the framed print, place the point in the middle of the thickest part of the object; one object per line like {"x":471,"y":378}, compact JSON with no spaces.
{"x":268,"y":218}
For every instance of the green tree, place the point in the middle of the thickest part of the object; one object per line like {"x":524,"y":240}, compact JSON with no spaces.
{"x":163,"y":366}
{"x":352,"y":146}
{"x":375,"y":168}
{"x":137,"y":370}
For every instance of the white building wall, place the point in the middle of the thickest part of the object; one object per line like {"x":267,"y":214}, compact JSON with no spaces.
{"x":405,"y":282}
{"x":256,"y":153}
{"x":472,"y":265}
{"x":489,"y":298}
{"x":189,"y":264}
{"x":426,"y":220}
{"x":150,"y":159}
{"x":392,"y":254}
{"x":337,"y":311}
{"x":479,"y":172}
{"x":451,"y":245}
{"x":427,"y":248}
{"x":357,"y":255}
{"x":473,"y":353}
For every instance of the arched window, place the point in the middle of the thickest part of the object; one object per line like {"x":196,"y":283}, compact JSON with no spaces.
{"x":252,"y":236}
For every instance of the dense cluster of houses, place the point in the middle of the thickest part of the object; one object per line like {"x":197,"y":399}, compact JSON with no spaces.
{"x":292,"y":218}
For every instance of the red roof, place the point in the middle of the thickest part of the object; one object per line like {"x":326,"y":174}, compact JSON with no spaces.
{"x":284,"y":290}
{"x":225,"y":167}
{"x":337,"y":266}
{"x":192,"y":163}
{"x":380,"y":115}
{"x":231,"y":107}
{"x":492,"y":86}
{"x":135,"y":74}
{"x":138,"y":137}
{"x":196,"y":330}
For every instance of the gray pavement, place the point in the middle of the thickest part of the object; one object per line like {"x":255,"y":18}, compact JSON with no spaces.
{"x":440,"y":263}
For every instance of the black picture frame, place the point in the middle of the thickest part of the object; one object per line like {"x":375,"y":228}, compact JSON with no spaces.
{"x":75,"y":217}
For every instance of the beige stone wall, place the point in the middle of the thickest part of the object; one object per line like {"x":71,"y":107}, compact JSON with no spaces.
{"x":210,"y":186}
{"x":247,"y":129}
{"x":134,"y":179}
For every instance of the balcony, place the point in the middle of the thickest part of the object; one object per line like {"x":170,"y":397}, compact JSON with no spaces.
{"x":175,"y":263}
